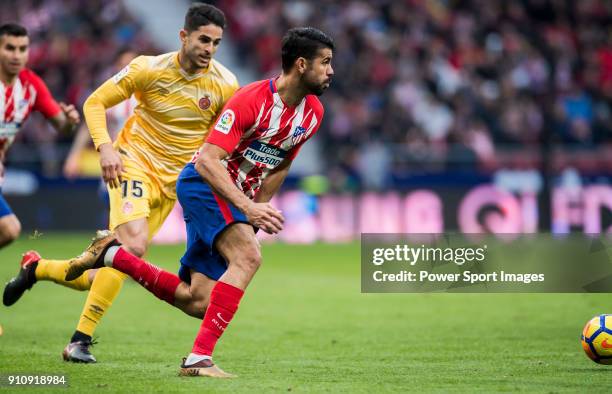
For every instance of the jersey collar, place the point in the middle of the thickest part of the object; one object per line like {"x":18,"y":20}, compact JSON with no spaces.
{"x":272,"y":85}
{"x":279,"y":101}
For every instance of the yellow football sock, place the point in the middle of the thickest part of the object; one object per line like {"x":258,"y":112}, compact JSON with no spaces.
{"x":55,"y":270}
{"x":104,"y":289}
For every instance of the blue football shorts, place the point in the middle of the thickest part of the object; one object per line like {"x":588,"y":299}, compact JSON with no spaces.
{"x":206,"y":216}
{"x":5,"y":209}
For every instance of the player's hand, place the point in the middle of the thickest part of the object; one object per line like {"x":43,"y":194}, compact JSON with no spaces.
{"x":71,"y":166}
{"x":71,"y":113}
{"x":265,"y":216}
{"x":111,"y":165}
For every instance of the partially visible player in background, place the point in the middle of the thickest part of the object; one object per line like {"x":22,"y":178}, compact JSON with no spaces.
{"x":21,"y":92}
{"x":179,"y":96}
{"x":82,"y":149}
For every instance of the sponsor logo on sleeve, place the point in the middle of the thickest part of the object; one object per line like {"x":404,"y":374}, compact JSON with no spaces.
{"x":225,"y":122}
{"x":121,"y":74}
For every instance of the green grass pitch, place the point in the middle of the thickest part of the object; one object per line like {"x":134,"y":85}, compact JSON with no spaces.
{"x":304,"y":326}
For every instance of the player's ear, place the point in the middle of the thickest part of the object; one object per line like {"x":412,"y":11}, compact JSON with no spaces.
{"x":301,"y":64}
{"x":183,"y":35}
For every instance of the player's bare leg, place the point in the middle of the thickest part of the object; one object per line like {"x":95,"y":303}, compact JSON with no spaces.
{"x":241,"y":249}
{"x":10,"y":228}
{"x":134,"y":236}
{"x":193,"y":298}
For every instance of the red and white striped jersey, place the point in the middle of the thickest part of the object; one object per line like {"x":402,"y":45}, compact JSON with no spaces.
{"x":28,"y":93}
{"x":259,"y":131}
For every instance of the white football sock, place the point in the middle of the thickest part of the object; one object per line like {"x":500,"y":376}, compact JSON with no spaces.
{"x":110,"y":255}
{"x":194,"y":358}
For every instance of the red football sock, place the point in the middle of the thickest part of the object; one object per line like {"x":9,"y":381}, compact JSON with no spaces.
{"x":224,"y":300}
{"x":161,"y":283}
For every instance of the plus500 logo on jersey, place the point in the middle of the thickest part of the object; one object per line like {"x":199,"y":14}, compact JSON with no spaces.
{"x":9,"y":129}
{"x":265,"y":154}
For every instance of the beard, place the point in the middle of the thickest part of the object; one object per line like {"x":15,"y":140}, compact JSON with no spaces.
{"x":317,"y":88}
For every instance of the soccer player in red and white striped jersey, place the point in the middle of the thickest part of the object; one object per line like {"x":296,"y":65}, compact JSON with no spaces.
{"x":21,"y":93}
{"x":225,"y":194}
{"x":261,"y":131}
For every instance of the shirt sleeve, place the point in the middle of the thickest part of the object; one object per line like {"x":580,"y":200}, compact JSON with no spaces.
{"x":45,"y":103}
{"x":133,"y":78}
{"x":237,"y":117}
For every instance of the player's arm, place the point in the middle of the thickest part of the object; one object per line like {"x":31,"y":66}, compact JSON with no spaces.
{"x":64,"y":118}
{"x":210,"y":168}
{"x":272,"y":183}
{"x":117,"y":89}
{"x":94,"y":110}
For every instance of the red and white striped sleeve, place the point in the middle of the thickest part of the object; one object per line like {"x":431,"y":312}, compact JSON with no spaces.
{"x":238,"y":115}
{"x":45,"y":103}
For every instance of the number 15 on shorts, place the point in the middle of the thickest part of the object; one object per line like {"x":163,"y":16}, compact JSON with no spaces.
{"x":131,"y":188}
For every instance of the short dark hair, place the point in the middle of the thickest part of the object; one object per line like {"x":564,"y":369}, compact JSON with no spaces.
{"x":13,"y":29}
{"x":303,"y":42}
{"x":200,"y":14}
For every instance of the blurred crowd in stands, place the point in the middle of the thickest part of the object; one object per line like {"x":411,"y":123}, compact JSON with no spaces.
{"x":443,"y":84}
{"x":419,"y":85}
{"x":73,"y":46}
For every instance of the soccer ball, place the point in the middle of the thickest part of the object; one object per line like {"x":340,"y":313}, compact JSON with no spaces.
{"x":596,"y":339}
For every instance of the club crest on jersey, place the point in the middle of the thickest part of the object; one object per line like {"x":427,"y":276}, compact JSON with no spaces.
{"x":225,"y":121}
{"x":204,"y":102}
{"x":298,"y":134}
